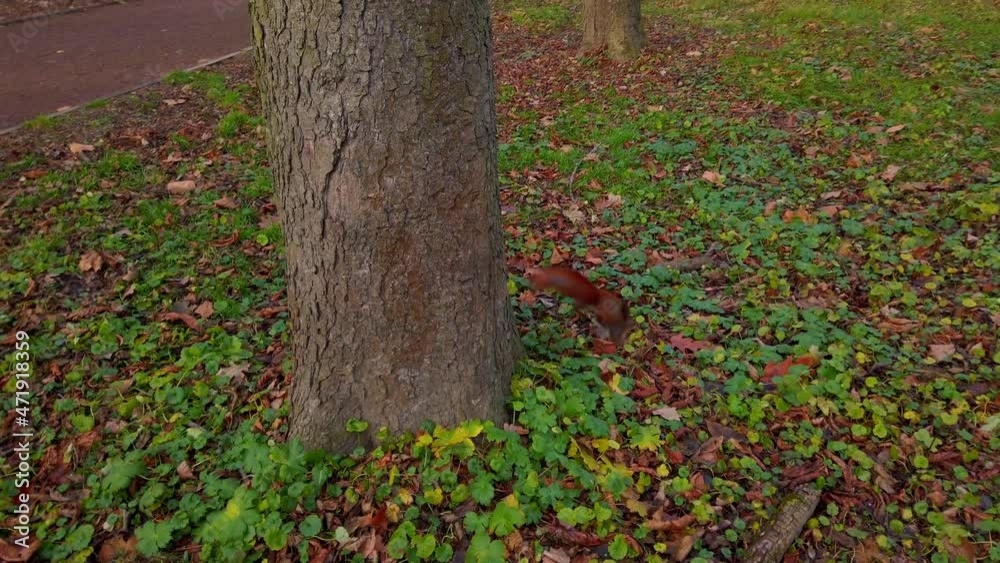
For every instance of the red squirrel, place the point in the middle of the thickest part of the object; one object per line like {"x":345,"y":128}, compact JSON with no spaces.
{"x":610,"y":310}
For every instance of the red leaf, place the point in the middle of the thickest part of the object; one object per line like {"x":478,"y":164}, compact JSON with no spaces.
{"x":780,"y":369}
{"x":185,"y":318}
{"x":685,"y":344}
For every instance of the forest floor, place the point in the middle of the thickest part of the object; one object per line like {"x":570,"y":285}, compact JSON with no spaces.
{"x":834,"y":164}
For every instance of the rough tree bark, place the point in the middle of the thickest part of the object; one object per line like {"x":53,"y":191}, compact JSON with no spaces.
{"x":792,"y":516}
{"x":382,"y":142}
{"x":615,"y":25}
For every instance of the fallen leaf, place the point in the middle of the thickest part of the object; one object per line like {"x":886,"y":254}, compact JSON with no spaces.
{"x":801,"y":213}
{"x":205,"y":310}
{"x":91,"y":261}
{"x":604,"y":346}
{"x":235,"y":373}
{"x":897,"y":325}
{"x":680,"y":548}
{"x":555,"y":556}
{"x":694,"y":53}
{"x":667,"y":413}
{"x":225,"y":203}
{"x":181,"y":187}
{"x":172,"y":158}
{"x":770,"y":208}
{"x":609,"y":201}
{"x":889,"y":174}
{"x":685,"y":344}
{"x":672,"y":525}
{"x":713,"y":177}
{"x":574,"y":215}
{"x":77,"y":148}
{"x":830,"y":210}
{"x":118,"y":549}
{"x":172,"y":102}
{"x":941,"y":352}
{"x":830,"y":195}
{"x":709,"y":451}
{"x":780,"y":369}
{"x":10,"y":552}
{"x":185,"y":318}
{"x":184,"y":471}
{"x":896,"y":128}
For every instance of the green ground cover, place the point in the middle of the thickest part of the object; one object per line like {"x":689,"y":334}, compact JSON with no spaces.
{"x":834,"y":163}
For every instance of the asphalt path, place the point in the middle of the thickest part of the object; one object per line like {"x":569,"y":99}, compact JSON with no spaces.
{"x":52,"y":63}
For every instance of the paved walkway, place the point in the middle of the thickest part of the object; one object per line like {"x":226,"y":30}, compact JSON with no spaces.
{"x":70,"y":59}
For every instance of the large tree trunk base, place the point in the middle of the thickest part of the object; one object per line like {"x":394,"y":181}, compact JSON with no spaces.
{"x":615,"y":26}
{"x":382,"y":142}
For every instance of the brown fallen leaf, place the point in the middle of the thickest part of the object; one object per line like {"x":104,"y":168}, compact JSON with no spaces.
{"x":610,"y":201}
{"x":205,"y":310}
{"x":118,"y":549}
{"x":672,"y":525}
{"x":91,"y":261}
{"x":185,"y":318}
{"x":78,"y":148}
{"x":709,"y":451}
{"x":942,"y":352}
{"x":555,"y":555}
{"x":889,"y":174}
{"x":225,"y":203}
{"x":830,"y":210}
{"x":685,"y":344}
{"x":780,"y":369}
{"x":896,"y":128}
{"x":9,"y":552}
{"x":184,"y":471}
{"x":236,"y":373}
{"x":172,"y":102}
{"x":181,"y":187}
{"x":770,"y":208}
{"x":897,"y":325}
{"x":667,"y":413}
{"x":713,"y":177}
{"x":801,"y":213}
{"x":604,"y":346}
{"x":575,"y":215}
{"x":680,"y":548}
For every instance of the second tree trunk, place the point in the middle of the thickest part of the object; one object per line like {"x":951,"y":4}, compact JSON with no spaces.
{"x":615,"y":25}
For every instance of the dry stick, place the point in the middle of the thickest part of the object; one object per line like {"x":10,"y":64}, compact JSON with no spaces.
{"x":792,"y":515}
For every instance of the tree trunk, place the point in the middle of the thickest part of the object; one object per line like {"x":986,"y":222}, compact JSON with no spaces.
{"x":615,"y":25}
{"x":383,"y":148}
